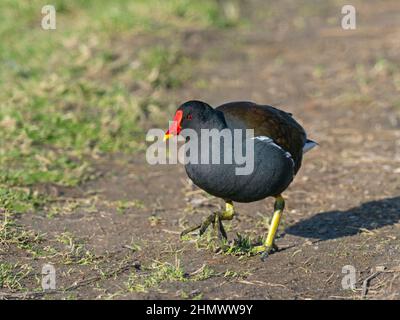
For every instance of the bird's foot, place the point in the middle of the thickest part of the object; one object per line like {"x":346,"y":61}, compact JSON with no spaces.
{"x":216,"y":220}
{"x":264,"y":250}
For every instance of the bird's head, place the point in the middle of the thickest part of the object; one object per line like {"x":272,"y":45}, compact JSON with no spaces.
{"x":190,"y":115}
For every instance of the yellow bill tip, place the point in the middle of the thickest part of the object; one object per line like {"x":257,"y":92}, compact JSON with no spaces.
{"x":167,"y":136}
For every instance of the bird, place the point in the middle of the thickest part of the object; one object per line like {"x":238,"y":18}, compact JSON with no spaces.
{"x":279,"y":144}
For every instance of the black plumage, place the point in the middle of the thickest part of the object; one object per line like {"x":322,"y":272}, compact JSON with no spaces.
{"x":277,"y":150}
{"x":268,"y":121}
{"x":279,"y":143}
{"x":272,"y":173}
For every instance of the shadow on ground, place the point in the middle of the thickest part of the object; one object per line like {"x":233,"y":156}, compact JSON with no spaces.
{"x":336,"y":224}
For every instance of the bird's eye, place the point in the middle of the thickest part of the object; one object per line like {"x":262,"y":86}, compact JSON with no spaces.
{"x":189,"y":117}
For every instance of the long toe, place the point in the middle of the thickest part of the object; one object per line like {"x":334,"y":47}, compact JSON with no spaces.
{"x":189,"y":230}
{"x":222,"y":232}
{"x":219,"y":230}
{"x":206,"y":223}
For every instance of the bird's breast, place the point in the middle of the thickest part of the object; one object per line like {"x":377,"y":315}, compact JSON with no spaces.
{"x":247,"y":172}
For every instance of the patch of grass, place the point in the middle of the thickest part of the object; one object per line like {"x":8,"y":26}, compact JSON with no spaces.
{"x":164,"y":67}
{"x":231,"y":274}
{"x":50,"y":135}
{"x":66,"y":95}
{"x":319,"y":71}
{"x":123,"y":205}
{"x":227,"y":14}
{"x":55,"y":209}
{"x":89,"y":205}
{"x":242,"y":245}
{"x":133,"y":246}
{"x":159,"y":272}
{"x":19,"y":200}
{"x":191,"y":295}
{"x":12,"y":234}
{"x":76,"y":252}
{"x":198,"y":296}
{"x":154,"y":220}
{"x":11,"y":275}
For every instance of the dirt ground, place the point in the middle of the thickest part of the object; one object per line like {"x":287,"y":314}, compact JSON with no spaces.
{"x":342,"y":209}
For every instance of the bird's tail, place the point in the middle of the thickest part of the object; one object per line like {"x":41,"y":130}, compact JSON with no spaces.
{"x":309,"y":145}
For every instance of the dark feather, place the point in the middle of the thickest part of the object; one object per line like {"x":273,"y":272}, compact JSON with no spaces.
{"x":267,"y":121}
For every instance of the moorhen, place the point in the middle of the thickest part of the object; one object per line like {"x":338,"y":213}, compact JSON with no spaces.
{"x":279,"y":144}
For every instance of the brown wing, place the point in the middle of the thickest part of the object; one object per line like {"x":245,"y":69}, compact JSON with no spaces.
{"x":268,"y":121}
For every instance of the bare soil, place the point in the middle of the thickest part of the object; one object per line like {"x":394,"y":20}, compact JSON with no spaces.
{"x":342,"y":209}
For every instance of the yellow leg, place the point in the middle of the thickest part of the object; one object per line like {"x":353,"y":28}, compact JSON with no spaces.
{"x":229,"y":211}
{"x":276,"y":219}
{"x":269,"y":244}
